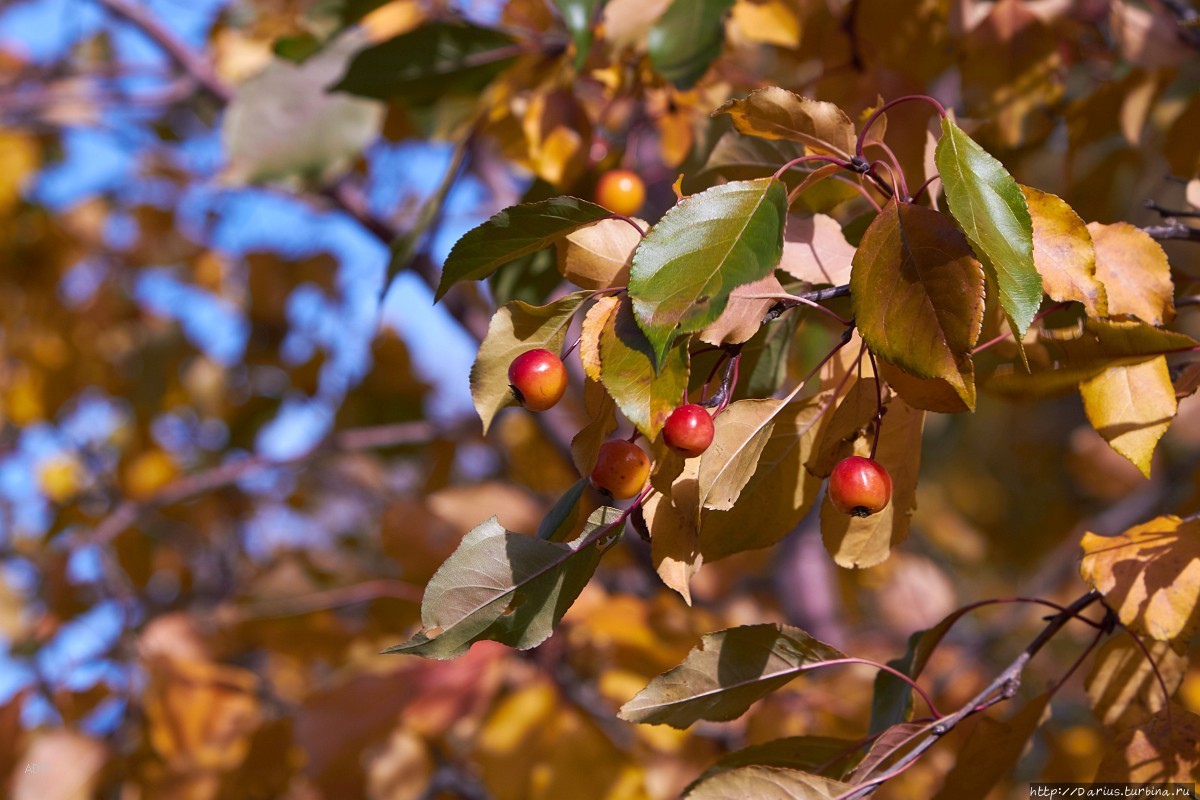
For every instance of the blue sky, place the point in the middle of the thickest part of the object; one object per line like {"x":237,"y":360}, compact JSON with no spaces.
{"x":105,"y":159}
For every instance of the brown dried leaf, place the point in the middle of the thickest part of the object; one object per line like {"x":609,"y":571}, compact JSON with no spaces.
{"x":597,"y":256}
{"x":742,"y":318}
{"x":816,"y":250}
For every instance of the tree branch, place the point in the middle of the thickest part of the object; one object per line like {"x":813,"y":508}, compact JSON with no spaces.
{"x":1004,"y":687}
{"x":1173,"y":229}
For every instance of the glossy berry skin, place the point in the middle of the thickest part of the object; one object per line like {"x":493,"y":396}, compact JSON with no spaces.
{"x":689,"y":430}
{"x":621,"y":191}
{"x":538,"y":378}
{"x":622,"y":469}
{"x":859,"y":486}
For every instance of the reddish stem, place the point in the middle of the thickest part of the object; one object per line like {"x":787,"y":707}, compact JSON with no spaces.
{"x":884,"y":668}
{"x":921,"y":189}
{"x":631,"y":221}
{"x":895,"y":162}
{"x":1042,"y":315}
{"x":809,"y":159}
{"x":862,"y":135}
{"x":878,"y":403}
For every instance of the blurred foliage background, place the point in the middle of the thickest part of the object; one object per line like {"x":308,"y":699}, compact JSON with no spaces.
{"x":236,"y":437}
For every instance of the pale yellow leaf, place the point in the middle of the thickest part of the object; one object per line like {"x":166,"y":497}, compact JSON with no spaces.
{"x":1131,"y":407}
{"x":627,"y":22}
{"x":743,"y":316}
{"x":1149,"y":575}
{"x":1122,"y":685}
{"x":1063,"y":253}
{"x":674,"y":523}
{"x":816,"y":250}
{"x":1134,"y":271}
{"x":597,"y":256}
{"x":768,"y":21}
{"x":1166,"y":749}
{"x":742,"y":431}
{"x":589,"y":334}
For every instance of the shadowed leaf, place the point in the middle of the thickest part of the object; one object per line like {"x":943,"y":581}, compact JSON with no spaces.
{"x":646,"y":396}
{"x":504,"y":587}
{"x":742,"y":431}
{"x":992,"y":750}
{"x":728,"y":671}
{"x":775,"y":113}
{"x":768,"y":783}
{"x":674,"y":522}
{"x":1122,"y":685}
{"x":1165,"y":749}
{"x":822,"y":755}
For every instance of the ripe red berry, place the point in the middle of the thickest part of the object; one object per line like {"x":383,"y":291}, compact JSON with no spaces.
{"x":621,"y":191}
{"x":689,"y":430}
{"x":538,"y":379}
{"x":622,"y":469}
{"x":859,"y":486}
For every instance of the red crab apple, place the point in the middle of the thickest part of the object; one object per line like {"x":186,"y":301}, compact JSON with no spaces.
{"x":621,"y":470}
{"x":621,"y":191}
{"x":689,"y":430}
{"x":859,"y":486}
{"x":538,"y":378}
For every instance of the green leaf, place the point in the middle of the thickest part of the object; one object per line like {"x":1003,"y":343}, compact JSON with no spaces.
{"x":561,"y":517}
{"x":627,"y":370}
{"x":531,"y":279}
{"x":917,"y":293}
{"x":514,"y":232}
{"x":504,"y":587}
{"x":428,"y":63}
{"x":775,"y":113}
{"x":729,"y":670}
{"x":705,"y":247}
{"x":515,"y":328}
{"x":282,"y":124}
{"x":824,"y":755}
{"x":768,"y":783}
{"x":989,"y":207}
{"x":687,"y":38}
{"x":578,"y":15}
{"x":778,"y":495}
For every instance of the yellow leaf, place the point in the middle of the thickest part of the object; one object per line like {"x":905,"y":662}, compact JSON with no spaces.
{"x":743,"y":316}
{"x":393,"y":19}
{"x":1164,"y":750}
{"x":597,"y":256}
{"x":1063,"y":253}
{"x":20,"y":157}
{"x":60,"y":478}
{"x":1122,"y":684}
{"x":148,"y":472}
{"x":675,"y":138}
{"x":1131,"y":407}
{"x":1134,"y":271}
{"x":627,"y":22}
{"x":1150,"y":575}
{"x":768,"y":21}
{"x":674,"y":524}
{"x":589,"y":334}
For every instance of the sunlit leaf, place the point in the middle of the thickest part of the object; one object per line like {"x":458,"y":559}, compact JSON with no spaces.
{"x":744,"y":314}
{"x":702,"y":249}
{"x":646,"y":396}
{"x":504,"y":587}
{"x":512,"y":233}
{"x":742,"y":431}
{"x":516,"y":328}
{"x":768,"y":783}
{"x":1131,"y":407}
{"x":1122,"y":684}
{"x":918,"y":295}
{"x":1134,"y":271}
{"x":1149,"y":575}
{"x":775,"y":113}
{"x":1166,"y":749}
{"x":777,"y":496}
{"x":590,"y":331}
{"x":989,"y":207}
{"x":597,"y":256}
{"x":687,"y":38}
{"x":815,"y":250}
{"x":1063,"y":253}
{"x":602,"y":421}
{"x":728,"y":671}
{"x":428,"y":63}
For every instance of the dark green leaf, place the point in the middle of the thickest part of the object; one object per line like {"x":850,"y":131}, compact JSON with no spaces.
{"x":428,"y":63}
{"x":530,"y":279}
{"x":579,"y":16}
{"x":645,"y":396}
{"x":729,"y":670}
{"x":687,"y":38}
{"x":516,"y":328}
{"x":917,"y":292}
{"x":514,"y":232}
{"x":705,"y":247}
{"x":504,"y":587}
{"x":990,"y":208}
{"x":764,"y":358}
{"x":561,"y":517}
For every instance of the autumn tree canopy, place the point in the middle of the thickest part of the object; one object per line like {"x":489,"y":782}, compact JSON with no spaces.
{"x":606,"y":399}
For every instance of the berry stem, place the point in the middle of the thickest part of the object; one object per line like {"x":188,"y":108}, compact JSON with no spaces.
{"x":631,"y":221}
{"x":795,"y":300}
{"x":571,"y":349}
{"x":878,"y":401}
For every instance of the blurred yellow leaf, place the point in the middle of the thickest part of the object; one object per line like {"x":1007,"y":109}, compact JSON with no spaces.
{"x":59,"y":764}
{"x":1131,"y":407}
{"x":768,"y":21}
{"x":1166,"y":749}
{"x":392,"y":19}
{"x":61,"y":477}
{"x":1150,"y":575}
{"x":20,"y":157}
{"x":1122,"y":684}
{"x":147,"y":473}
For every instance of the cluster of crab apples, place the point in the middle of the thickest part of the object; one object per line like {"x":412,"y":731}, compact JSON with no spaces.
{"x":858,"y":486}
